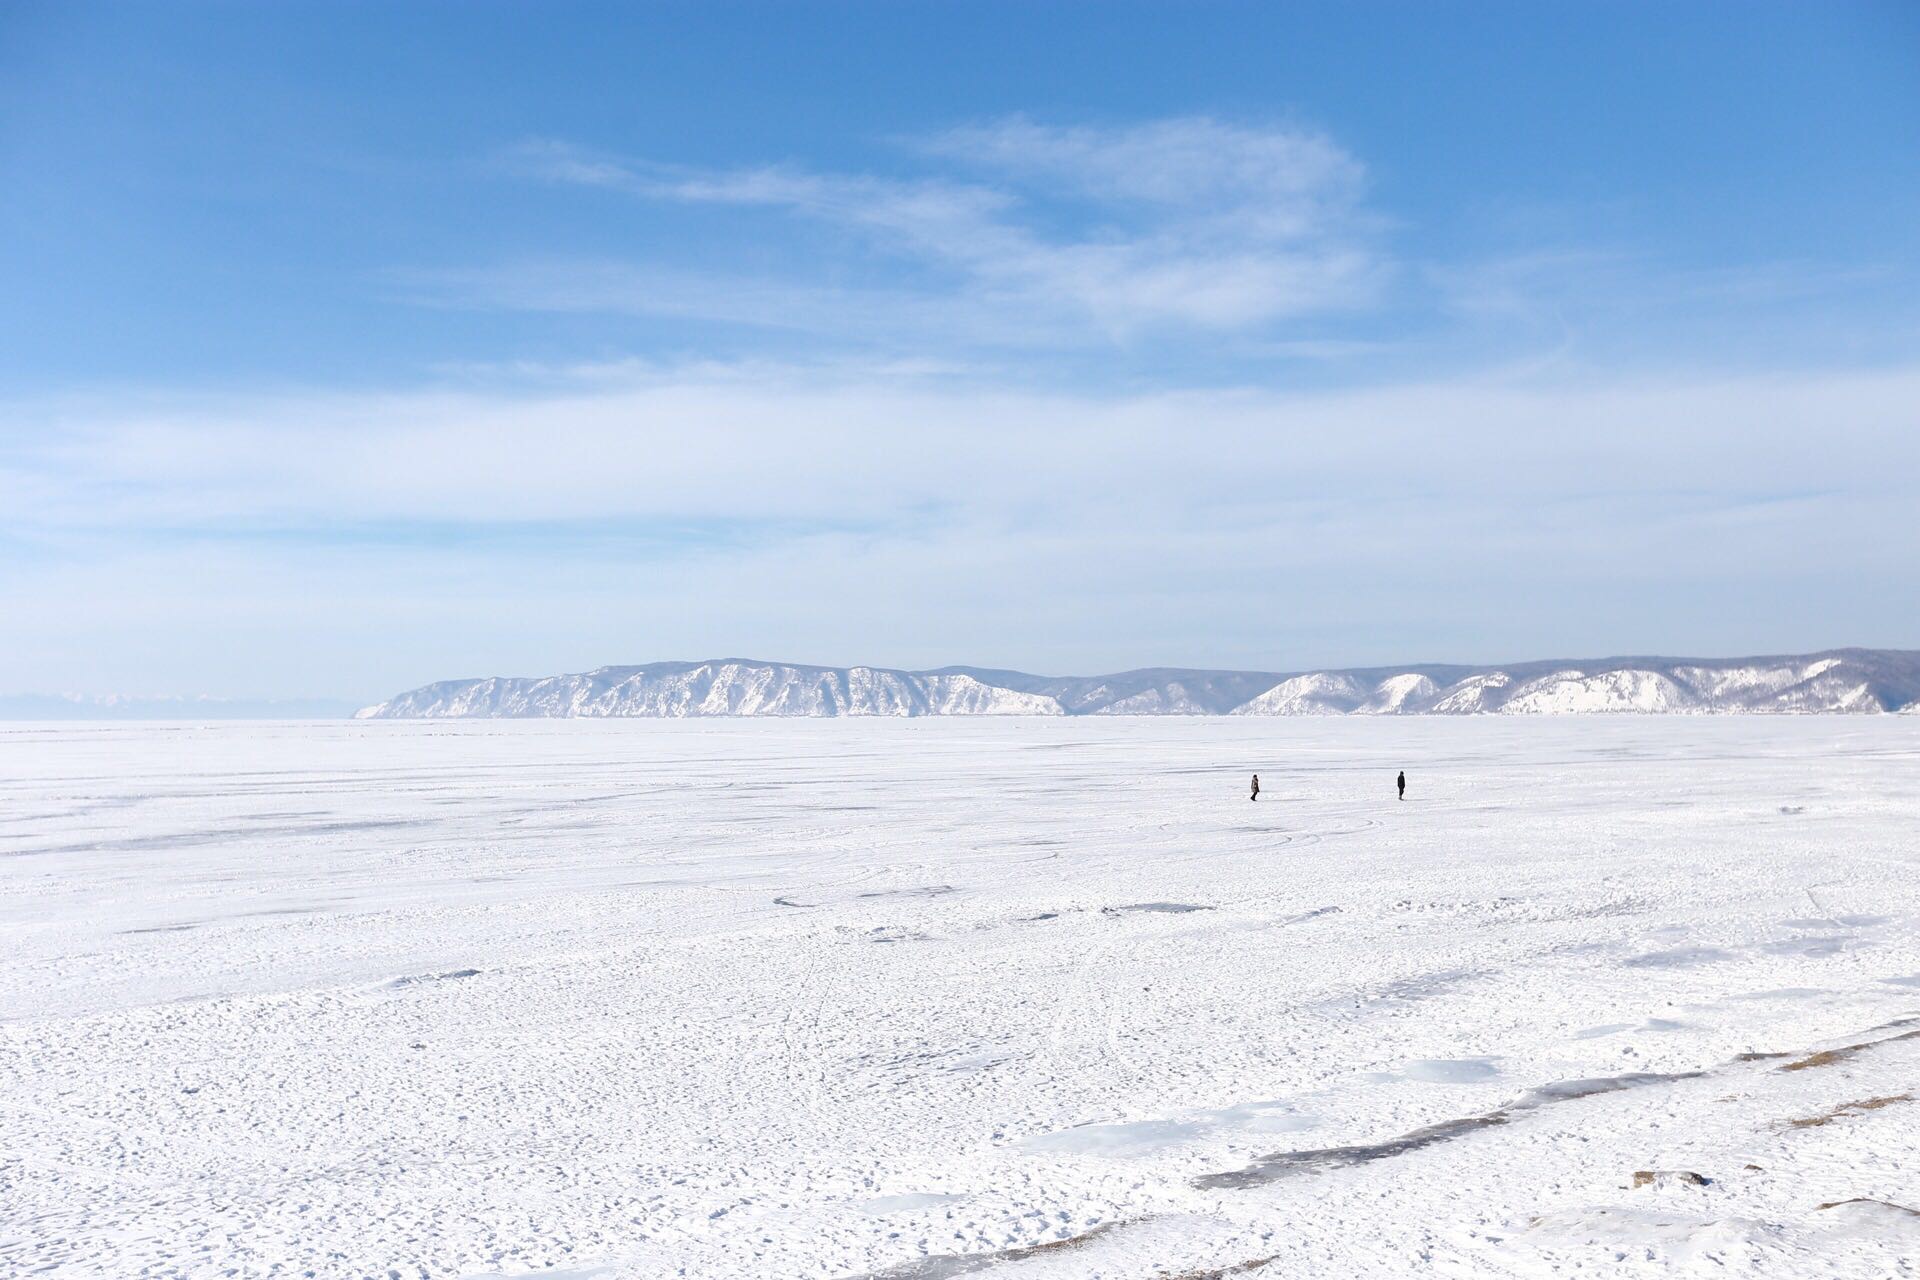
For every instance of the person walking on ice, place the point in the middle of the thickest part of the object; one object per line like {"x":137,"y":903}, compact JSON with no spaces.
{"x":1403,"y":784}
{"x":1256,"y":788}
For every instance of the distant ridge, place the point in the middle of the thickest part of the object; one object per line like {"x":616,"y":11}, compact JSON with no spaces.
{"x":1833,"y":681}
{"x":74,"y":706}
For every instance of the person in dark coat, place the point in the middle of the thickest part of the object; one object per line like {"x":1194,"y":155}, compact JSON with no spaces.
{"x":1256,"y":788}
{"x":1403,"y":784}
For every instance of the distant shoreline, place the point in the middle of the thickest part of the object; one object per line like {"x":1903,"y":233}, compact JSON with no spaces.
{"x":1834,"y":681}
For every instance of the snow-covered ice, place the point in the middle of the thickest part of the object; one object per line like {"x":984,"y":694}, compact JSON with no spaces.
{"x":1023,"y":997}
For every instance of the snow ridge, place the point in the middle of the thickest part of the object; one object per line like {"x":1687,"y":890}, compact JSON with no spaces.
{"x":1849,"y":681}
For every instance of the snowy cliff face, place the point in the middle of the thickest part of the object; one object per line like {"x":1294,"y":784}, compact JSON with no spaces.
{"x":1843,"y":681}
{"x":1400,"y":695}
{"x":1645,"y":686}
{"x":1170,"y":699}
{"x":1567,"y":692}
{"x":1158,"y":691}
{"x":1321,"y":693}
{"x":1475,"y":694}
{"x":718,"y":689}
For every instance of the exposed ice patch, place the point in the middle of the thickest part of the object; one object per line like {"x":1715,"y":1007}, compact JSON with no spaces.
{"x":416,"y":979}
{"x":1144,"y":1137}
{"x":1595,"y":1033}
{"x":908,"y":1202}
{"x":1677,"y":958}
{"x":1450,"y":1070}
{"x":1130,"y":1138}
{"x":1828,"y":945}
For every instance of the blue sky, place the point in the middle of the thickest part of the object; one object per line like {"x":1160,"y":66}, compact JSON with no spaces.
{"x":345,"y":347}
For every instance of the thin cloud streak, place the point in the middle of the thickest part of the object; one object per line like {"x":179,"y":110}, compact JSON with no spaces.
{"x":1283,"y":182}
{"x":1193,"y":223}
{"x":763,"y":442}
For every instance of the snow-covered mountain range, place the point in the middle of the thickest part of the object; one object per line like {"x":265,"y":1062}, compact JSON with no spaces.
{"x":1837,"y":680}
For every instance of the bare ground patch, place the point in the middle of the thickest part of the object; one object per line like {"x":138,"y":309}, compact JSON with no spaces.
{"x":946,"y":1265}
{"x":1220,"y":1273}
{"x":1282,"y":1164}
{"x":1827,"y":1057}
{"x":1885,"y":1204}
{"x":1849,"y":1109}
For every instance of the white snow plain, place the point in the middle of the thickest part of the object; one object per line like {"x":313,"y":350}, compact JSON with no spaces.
{"x":914,"y":999}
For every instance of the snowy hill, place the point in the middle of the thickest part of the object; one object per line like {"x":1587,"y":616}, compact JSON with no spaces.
{"x":1319,"y":693}
{"x":1835,"y":681}
{"x":728,"y":687}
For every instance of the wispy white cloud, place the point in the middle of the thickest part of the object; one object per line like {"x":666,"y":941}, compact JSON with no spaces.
{"x":872,"y":314}
{"x":1279,"y":182}
{"x":1097,"y":233}
{"x":1619,"y":303}
{"x":1189,"y":235}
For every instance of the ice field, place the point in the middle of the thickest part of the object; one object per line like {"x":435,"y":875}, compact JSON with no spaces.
{"x":930,"y":998}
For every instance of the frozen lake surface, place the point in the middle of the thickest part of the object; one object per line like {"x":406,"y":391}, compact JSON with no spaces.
{"x":920,"y":999}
